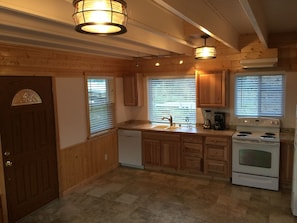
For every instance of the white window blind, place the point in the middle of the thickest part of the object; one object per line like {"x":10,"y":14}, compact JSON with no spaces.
{"x":175,"y":96}
{"x":259,"y":95}
{"x":101,"y":104}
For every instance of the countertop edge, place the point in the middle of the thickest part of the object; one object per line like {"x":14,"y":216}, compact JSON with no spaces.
{"x":194,"y":130}
{"x":285,"y":137}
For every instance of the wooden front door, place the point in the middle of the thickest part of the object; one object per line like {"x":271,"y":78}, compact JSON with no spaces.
{"x":27,"y":128}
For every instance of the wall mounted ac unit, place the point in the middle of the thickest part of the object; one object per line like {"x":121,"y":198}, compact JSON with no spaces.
{"x":259,"y":63}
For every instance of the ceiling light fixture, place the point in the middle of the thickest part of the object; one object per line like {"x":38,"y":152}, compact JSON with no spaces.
{"x":205,"y":52}
{"x":103,"y":17}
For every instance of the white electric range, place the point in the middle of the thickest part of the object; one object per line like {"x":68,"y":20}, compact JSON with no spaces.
{"x":256,"y":153}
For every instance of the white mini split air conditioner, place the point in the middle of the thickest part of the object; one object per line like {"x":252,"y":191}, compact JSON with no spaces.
{"x":259,"y":63}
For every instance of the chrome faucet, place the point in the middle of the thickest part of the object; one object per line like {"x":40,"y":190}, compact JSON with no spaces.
{"x":169,"y":119}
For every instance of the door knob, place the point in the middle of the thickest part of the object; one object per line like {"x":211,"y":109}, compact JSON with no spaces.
{"x":6,"y":153}
{"x":8,"y":163}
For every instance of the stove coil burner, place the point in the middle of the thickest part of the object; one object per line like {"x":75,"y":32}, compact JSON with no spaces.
{"x":245,"y":133}
{"x":268,"y":137}
{"x":269,"y":134}
{"x":242,"y":135}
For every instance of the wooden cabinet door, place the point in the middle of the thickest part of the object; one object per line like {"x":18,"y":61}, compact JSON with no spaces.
{"x":161,"y":149}
{"x":132,"y":86}
{"x":151,"y":152}
{"x":211,"y":90}
{"x":170,"y":154}
{"x":286,"y":164}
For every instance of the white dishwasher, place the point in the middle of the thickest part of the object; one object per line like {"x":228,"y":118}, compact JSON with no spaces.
{"x":130,"y":150}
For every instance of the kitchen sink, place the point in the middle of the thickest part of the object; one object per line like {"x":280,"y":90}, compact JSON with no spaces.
{"x":165,"y":127}
{"x":173,"y":127}
{"x":160,"y":127}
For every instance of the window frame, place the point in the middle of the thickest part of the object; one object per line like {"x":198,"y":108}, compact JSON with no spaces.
{"x":258,"y":74}
{"x":110,"y":102}
{"x":177,"y":76}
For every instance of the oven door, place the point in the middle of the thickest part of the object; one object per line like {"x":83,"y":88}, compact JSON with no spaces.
{"x":257,"y":158}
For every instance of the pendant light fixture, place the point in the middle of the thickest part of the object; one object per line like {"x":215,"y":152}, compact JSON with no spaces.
{"x":205,"y":52}
{"x":103,"y":17}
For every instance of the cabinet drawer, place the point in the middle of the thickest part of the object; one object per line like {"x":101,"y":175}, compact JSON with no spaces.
{"x":216,"y":167}
{"x":195,"y":164}
{"x":192,"y":149}
{"x":161,"y":136}
{"x":216,"y":153}
{"x":192,"y":138}
{"x":216,"y":140}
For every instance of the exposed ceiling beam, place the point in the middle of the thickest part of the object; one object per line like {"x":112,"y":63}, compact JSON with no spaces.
{"x":35,"y":38}
{"x":25,"y":26}
{"x":205,"y":18}
{"x":147,"y":35}
{"x":159,"y":40}
{"x":255,"y":14}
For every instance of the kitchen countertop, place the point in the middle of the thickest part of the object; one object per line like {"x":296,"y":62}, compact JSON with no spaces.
{"x":287,"y":137}
{"x":146,"y":126}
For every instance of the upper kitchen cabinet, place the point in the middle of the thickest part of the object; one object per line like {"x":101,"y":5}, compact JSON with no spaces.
{"x":211,"y":89}
{"x":132,"y":85}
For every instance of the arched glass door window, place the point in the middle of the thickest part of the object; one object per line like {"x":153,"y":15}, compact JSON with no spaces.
{"x":26,"y":97}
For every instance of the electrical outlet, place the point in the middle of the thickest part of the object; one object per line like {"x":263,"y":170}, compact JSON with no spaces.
{"x":105,"y":156}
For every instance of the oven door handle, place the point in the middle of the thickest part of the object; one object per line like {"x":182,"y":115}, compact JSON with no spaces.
{"x":253,"y":141}
{"x":246,"y":141}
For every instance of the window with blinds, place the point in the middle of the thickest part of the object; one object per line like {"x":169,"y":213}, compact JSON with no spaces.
{"x":101,"y":104}
{"x":175,"y":96}
{"x":259,"y":95}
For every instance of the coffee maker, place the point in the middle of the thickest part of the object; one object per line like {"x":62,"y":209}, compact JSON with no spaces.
{"x":219,"y":120}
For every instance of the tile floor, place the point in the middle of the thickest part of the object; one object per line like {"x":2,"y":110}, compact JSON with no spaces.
{"x":137,"y":196}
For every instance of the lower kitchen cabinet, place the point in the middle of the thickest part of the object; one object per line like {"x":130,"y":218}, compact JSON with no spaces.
{"x":286,"y":164}
{"x":151,"y":152}
{"x":217,"y":156}
{"x":187,"y":153}
{"x":170,"y":154}
{"x":192,"y":153}
{"x":161,"y":150}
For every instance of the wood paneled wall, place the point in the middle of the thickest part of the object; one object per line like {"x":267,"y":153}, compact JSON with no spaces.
{"x":283,"y":46}
{"x":82,"y":163}
{"x":25,"y":60}
{"x":287,"y":49}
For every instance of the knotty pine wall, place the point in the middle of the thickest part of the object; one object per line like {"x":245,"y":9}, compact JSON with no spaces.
{"x":84,"y":162}
{"x":26,"y":60}
{"x":282,"y":46}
